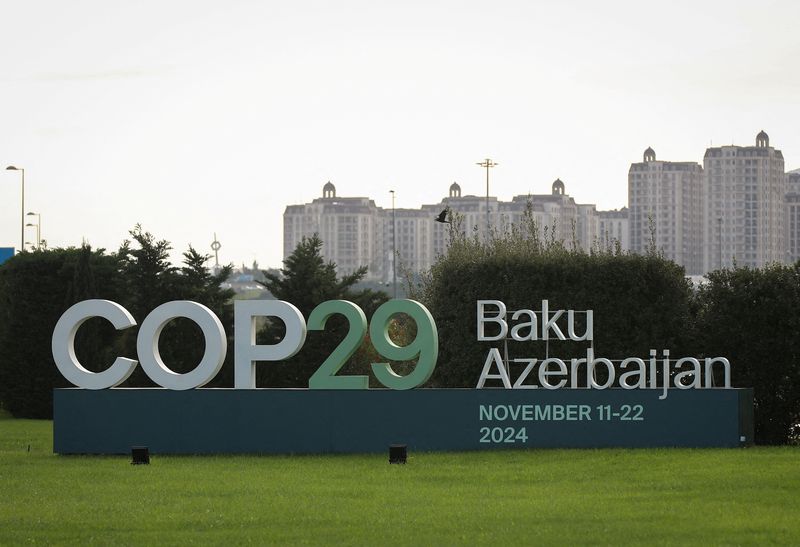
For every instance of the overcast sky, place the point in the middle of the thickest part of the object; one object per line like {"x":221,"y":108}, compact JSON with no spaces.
{"x":199,"y":117}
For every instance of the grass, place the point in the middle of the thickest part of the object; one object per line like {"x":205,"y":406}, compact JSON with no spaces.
{"x":607,"y":497}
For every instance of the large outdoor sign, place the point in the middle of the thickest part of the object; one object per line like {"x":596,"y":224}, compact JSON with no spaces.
{"x":424,"y":348}
{"x":549,"y":403}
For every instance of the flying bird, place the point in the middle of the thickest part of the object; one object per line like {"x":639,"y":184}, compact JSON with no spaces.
{"x":442,"y":217}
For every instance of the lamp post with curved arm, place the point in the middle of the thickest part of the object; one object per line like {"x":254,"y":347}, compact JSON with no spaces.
{"x":22,"y":217}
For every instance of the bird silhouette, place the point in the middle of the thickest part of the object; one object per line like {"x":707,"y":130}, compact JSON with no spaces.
{"x":442,"y":217}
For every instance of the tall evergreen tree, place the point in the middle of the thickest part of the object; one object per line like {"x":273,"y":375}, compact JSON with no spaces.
{"x":150,"y":280}
{"x":306,"y":281}
{"x":148,"y":276}
{"x":181,"y":342}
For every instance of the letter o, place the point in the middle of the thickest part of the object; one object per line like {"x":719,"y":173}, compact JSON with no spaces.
{"x":150,"y":358}
{"x":63,"y":344}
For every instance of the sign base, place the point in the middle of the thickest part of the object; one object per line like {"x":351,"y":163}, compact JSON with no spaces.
{"x":228,"y":421}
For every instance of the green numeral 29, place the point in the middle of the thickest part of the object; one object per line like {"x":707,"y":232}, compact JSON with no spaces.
{"x":424,"y":348}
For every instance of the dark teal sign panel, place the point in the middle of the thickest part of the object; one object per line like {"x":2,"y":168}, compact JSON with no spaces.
{"x":212,"y":421}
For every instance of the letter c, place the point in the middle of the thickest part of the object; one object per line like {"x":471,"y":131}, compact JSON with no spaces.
{"x":63,"y":344}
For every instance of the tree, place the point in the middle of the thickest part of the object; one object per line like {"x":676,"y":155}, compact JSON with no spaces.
{"x":37,"y":287}
{"x":194,"y":281}
{"x":306,"y":281}
{"x":146,"y":272}
{"x":150,"y":280}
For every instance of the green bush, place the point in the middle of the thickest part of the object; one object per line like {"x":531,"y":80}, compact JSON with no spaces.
{"x":35,"y":289}
{"x":639,"y":302}
{"x":752,"y":316}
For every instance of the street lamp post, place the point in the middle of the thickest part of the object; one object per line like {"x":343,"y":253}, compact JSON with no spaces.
{"x":22,"y":214}
{"x":488,"y":164}
{"x":38,"y":228}
{"x":394,"y":249}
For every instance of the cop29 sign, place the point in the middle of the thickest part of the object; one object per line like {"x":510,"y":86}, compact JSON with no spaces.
{"x":626,"y":405}
{"x":424,"y":348}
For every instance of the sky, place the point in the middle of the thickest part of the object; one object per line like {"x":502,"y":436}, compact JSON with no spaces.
{"x":194,"y":117}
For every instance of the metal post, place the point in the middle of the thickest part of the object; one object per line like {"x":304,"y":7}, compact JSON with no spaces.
{"x":22,"y":208}
{"x":22,"y":213}
{"x":488,"y":163}
{"x":38,"y":226}
{"x":394,"y":247}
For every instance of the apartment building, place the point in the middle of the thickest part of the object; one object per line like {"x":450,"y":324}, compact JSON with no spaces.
{"x":665,"y":201}
{"x":612,"y":227}
{"x":356,"y":232}
{"x":745,"y":205}
{"x":792,"y":212}
{"x":352,"y":230}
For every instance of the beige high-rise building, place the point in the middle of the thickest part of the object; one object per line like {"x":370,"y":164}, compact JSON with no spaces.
{"x":739,"y":208}
{"x":745,"y":190}
{"x":612,"y":227}
{"x":587,"y":226}
{"x":555,"y":212}
{"x":352,"y":231}
{"x":556,"y":215}
{"x":473,"y":213}
{"x":356,"y":232}
{"x":415,"y":239}
{"x":792,"y":219}
{"x":665,"y":202}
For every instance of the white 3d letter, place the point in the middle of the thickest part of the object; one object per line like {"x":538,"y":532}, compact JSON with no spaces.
{"x":63,"y":344}
{"x":500,"y":319}
{"x":244,"y":341}
{"x":149,"y":356}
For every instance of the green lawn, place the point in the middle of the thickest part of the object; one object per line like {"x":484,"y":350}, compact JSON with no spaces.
{"x":737,"y":496}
